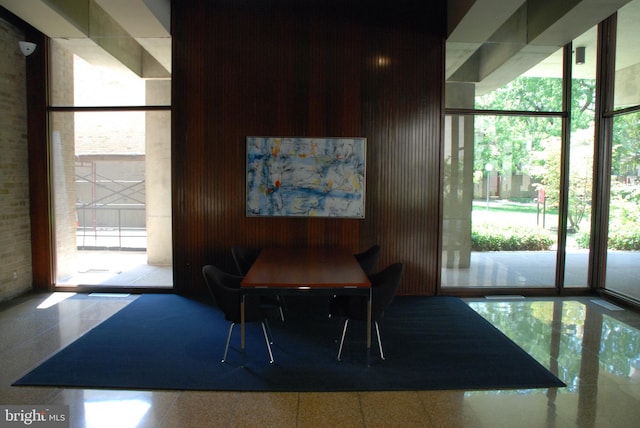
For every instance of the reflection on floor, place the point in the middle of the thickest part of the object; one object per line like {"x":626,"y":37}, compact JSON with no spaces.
{"x":118,"y":269}
{"x":595,"y":350}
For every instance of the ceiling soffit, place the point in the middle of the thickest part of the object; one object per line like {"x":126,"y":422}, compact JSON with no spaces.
{"x":491,"y":50}
{"x":142,"y":44}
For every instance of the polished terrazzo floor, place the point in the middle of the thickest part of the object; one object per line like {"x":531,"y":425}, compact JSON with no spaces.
{"x":593,"y":348}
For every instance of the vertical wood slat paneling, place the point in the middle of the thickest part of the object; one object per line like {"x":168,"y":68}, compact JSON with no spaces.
{"x":403,"y":116}
{"x":237,"y":73}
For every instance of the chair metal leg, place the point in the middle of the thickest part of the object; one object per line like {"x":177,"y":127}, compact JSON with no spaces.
{"x":282,"y":305}
{"x":379,"y":341}
{"x":344,"y":332}
{"x":269,"y":335}
{"x":266,"y":339}
{"x":226,"y":348}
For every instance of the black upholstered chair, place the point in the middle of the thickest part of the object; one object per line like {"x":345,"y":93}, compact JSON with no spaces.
{"x":384,"y":286}
{"x":244,"y":258}
{"x":225,"y":291}
{"x":368,"y":258}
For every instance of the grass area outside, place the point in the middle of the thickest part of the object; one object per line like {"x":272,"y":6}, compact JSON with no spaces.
{"x":513,"y":213}
{"x":504,"y":214}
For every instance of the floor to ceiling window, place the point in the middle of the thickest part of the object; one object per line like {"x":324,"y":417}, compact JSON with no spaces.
{"x":110,"y":153}
{"x":531,"y":173}
{"x":580,"y":153}
{"x":503,"y":151}
{"x":623,"y":243}
{"x":507,"y":181}
{"x":506,"y":217}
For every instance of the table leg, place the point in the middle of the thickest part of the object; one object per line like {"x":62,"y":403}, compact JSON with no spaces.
{"x":369,"y":330}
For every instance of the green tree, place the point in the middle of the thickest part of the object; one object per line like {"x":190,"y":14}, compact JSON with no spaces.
{"x":626,"y":147}
{"x":508,"y":141}
{"x":548,"y":169}
{"x":531,"y":145}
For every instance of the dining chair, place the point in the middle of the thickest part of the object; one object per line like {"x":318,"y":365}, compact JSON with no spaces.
{"x":244,"y":258}
{"x":384,"y":286}
{"x":368,"y":258}
{"x":225,"y":292}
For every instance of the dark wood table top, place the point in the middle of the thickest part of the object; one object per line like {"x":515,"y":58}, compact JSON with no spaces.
{"x":306,"y":268}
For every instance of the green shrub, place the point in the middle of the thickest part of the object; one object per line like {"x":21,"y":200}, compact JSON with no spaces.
{"x":624,"y":217}
{"x":582,"y":239}
{"x":624,"y":240}
{"x":621,"y":240}
{"x":496,"y":238}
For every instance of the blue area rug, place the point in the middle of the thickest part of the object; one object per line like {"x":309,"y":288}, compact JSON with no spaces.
{"x":172,"y":342}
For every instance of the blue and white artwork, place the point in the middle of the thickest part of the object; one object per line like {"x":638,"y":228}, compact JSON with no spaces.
{"x":306,"y":177}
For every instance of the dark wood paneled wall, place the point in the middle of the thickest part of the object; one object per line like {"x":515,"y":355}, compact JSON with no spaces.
{"x":277,"y":71}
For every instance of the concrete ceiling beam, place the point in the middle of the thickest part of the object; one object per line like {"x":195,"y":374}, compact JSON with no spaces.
{"x":535,"y":30}
{"x":78,"y":19}
{"x":44,"y":17}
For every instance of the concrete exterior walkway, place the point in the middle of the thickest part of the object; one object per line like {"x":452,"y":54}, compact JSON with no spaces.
{"x":537,"y":269}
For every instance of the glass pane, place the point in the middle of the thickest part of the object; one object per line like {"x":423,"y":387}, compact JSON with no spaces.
{"x":581,"y":159}
{"x":544,"y":77}
{"x":112,"y":198}
{"x":111,"y":169}
{"x":623,"y":257}
{"x":516,"y":95}
{"x":627,"y":87}
{"x":500,"y":201}
{"x":84,"y":75}
{"x":579,"y":209}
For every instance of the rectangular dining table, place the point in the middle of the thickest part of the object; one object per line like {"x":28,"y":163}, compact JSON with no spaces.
{"x":309,"y":271}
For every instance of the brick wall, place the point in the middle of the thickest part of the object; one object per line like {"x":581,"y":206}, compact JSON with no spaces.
{"x":15,"y":232}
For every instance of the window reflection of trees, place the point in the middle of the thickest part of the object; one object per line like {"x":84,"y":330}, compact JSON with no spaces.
{"x":620,"y":347}
{"x":531,"y":325}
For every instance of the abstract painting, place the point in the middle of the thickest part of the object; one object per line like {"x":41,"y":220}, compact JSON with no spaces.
{"x":306,"y":177}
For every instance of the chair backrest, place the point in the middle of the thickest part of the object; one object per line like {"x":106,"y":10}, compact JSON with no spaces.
{"x":244,"y":258}
{"x":225,"y":292}
{"x":368,"y":258}
{"x":384,"y":286}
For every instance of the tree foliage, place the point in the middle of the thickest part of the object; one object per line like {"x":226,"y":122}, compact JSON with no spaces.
{"x":508,"y":142}
{"x":626,"y":150}
{"x":531,"y":144}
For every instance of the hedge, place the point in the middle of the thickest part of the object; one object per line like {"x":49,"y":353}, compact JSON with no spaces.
{"x":621,"y":240}
{"x":497,"y":238}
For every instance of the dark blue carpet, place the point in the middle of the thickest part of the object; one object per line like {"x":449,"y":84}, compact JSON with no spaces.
{"x":171,"y":342}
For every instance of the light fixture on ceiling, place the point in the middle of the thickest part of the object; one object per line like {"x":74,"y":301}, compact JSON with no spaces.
{"x":580,"y":55}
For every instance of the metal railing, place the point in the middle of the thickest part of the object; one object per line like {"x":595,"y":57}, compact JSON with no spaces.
{"x":118,"y":236}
